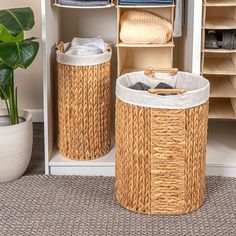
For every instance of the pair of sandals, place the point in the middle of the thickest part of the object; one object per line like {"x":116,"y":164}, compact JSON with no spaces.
{"x":216,"y":39}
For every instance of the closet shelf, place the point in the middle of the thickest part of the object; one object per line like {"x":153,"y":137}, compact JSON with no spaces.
{"x":220,"y":23}
{"x":169,"y":44}
{"x":219,"y":3}
{"x":60,"y":160}
{"x":220,"y":50}
{"x":84,"y":7}
{"x":221,"y":109}
{"x":219,"y":66}
{"x":147,"y":6}
{"x":222,"y":88}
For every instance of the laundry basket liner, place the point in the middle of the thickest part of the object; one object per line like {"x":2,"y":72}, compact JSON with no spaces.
{"x":197,"y":90}
{"x":90,"y":60}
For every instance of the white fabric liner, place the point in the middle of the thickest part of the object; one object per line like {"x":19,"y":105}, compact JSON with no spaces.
{"x":197,"y":90}
{"x":87,"y":46}
{"x":88,"y":60}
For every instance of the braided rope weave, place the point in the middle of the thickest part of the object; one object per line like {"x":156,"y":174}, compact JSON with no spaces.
{"x":84,"y":111}
{"x":160,"y":158}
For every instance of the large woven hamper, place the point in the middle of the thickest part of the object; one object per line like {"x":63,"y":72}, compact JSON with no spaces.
{"x":84,"y":104}
{"x":161,"y":144}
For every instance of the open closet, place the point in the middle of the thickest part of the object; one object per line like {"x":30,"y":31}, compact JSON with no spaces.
{"x":63,"y":23}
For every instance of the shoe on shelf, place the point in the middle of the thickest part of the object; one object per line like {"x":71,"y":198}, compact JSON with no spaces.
{"x":226,"y":39}
{"x":211,"y":40}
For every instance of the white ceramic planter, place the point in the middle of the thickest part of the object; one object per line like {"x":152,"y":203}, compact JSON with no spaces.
{"x":15,"y":146}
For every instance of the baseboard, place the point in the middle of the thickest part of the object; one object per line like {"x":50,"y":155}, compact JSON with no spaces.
{"x":98,"y":170}
{"x":37,"y":115}
{"x":226,"y":170}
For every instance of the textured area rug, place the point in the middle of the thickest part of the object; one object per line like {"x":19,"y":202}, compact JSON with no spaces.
{"x":86,"y":206}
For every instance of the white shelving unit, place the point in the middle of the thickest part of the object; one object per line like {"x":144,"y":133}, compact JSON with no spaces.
{"x":61,"y":23}
{"x":219,"y":65}
{"x":138,"y":57}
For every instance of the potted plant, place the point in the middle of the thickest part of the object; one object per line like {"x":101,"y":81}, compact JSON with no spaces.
{"x":16,"y":131}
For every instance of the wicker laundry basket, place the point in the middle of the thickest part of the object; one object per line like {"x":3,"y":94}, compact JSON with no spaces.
{"x":84,"y":104}
{"x":161,"y":144}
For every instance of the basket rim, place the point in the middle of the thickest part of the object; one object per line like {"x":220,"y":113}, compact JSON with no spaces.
{"x":190,"y":98}
{"x":84,"y":60}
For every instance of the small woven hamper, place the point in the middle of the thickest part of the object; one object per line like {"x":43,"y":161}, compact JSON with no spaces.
{"x":161,"y":143}
{"x":84,"y":104}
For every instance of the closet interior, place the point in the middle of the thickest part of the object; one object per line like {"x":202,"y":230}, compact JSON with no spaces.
{"x":63,"y":23}
{"x":66,"y":22}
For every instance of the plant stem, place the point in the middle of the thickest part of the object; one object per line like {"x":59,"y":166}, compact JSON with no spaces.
{"x":8,"y":110}
{"x":13,"y":102}
{"x":13,"y":97}
{"x":16,"y":105}
{"x":11,"y":106}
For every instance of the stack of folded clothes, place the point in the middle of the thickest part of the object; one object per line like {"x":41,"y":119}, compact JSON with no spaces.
{"x":145,"y":2}
{"x":84,"y":3}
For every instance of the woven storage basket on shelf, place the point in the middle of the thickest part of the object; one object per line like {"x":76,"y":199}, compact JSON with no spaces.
{"x":84,"y":104}
{"x":161,"y":145}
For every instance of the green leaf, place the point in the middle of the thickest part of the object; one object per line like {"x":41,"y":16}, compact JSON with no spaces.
{"x":5,"y":36}
{"x":3,"y":92}
{"x":5,"y":74}
{"x":17,"y":20}
{"x":19,"y":54}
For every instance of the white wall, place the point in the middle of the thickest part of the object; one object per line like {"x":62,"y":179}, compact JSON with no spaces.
{"x":190,"y":44}
{"x":30,"y":81}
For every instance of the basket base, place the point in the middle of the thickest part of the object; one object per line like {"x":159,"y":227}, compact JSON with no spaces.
{"x":167,"y":213}
{"x":88,"y":157}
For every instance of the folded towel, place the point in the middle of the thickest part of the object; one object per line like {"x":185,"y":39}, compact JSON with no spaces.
{"x":145,"y":2}
{"x":84,"y":3}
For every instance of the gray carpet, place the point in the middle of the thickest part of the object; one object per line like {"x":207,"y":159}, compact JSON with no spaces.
{"x":85,"y":206}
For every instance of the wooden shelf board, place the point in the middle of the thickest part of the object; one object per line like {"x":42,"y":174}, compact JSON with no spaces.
{"x":221,"y":109}
{"x":60,"y":160}
{"x":220,"y":23}
{"x":222,"y":88}
{"x":169,"y":44}
{"x":83,"y":7}
{"x":220,"y":50}
{"x":147,"y":6}
{"x":219,"y":66}
{"x":219,"y":3}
